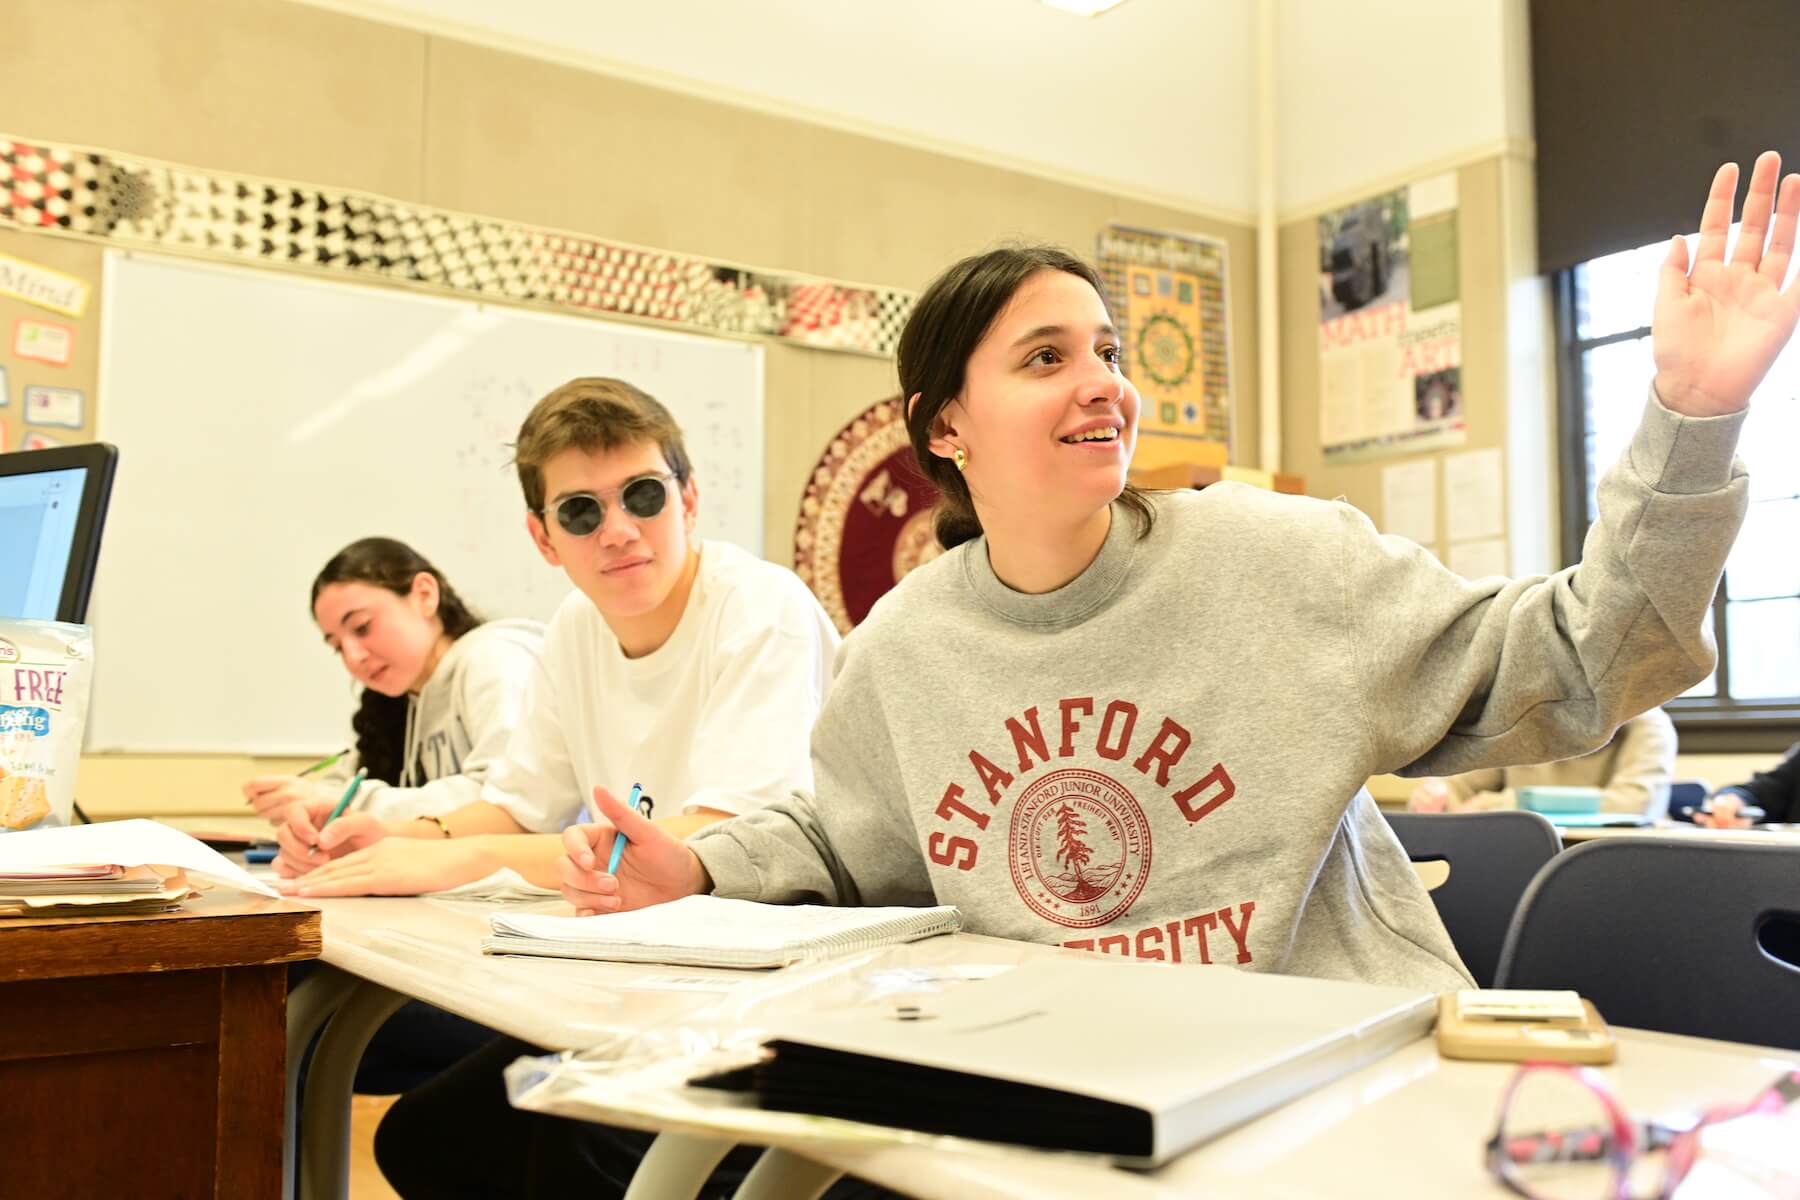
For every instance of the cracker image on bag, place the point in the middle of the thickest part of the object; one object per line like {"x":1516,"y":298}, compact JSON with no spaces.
{"x":46,"y":669}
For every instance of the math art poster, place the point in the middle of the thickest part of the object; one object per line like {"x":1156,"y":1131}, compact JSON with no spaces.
{"x":1167,"y":292}
{"x":1390,"y":324}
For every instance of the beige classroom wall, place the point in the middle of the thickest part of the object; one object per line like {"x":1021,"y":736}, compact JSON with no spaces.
{"x":271,"y":88}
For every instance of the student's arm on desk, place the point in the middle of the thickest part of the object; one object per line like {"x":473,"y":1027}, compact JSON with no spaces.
{"x":411,"y":858}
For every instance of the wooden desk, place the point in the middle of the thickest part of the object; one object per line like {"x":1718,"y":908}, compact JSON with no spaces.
{"x":142,"y":1056}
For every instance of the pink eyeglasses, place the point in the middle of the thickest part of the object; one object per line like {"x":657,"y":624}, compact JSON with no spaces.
{"x":1601,"y":1153}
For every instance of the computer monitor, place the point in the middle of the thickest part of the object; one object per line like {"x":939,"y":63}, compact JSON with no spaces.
{"x":52,"y":508}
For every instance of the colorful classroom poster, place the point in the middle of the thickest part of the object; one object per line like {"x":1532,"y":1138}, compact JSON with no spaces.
{"x":1167,"y":292}
{"x":54,"y":406}
{"x":36,"y":441}
{"x":43,"y":341}
{"x":42,"y":286}
{"x":1390,"y":340}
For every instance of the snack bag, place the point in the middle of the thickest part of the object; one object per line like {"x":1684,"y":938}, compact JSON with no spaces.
{"x":46,"y":668}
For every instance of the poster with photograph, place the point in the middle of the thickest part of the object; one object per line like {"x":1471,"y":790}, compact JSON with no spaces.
{"x":1167,"y":293}
{"x":1390,"y":334}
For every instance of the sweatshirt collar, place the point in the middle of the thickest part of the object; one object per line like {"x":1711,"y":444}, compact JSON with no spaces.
{"x":1075,"y":600}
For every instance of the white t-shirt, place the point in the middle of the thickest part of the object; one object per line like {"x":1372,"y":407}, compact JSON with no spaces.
{"x":720,"y":716}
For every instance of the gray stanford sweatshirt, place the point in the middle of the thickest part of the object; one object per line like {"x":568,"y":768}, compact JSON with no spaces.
{"x":1165,"y":758}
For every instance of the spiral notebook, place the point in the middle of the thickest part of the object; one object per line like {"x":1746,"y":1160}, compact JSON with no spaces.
{"x":707,"y":931}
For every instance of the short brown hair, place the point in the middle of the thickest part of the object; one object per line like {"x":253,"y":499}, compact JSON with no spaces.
{"x":593,"y":414}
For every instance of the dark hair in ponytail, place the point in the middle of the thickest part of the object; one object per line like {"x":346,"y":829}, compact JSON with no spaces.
{"x":380,"y":721}
{"x":947,"y":323}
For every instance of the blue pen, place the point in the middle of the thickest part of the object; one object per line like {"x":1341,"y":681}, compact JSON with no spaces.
{"x":612,"y":864}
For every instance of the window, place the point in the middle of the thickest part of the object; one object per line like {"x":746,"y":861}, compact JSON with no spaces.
{"x":1752,"y":701}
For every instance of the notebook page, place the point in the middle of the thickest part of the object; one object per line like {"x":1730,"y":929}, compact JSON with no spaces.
{"x":712,"y":923}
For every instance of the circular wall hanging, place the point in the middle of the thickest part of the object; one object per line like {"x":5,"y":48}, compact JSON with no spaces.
{"x":866,"y":518}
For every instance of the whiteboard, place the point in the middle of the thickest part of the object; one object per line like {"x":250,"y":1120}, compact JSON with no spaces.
{"x":266,"y":420}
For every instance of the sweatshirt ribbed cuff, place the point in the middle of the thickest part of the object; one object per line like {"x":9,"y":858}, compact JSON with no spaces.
{"x":1685,"y":456}
{"x":724,"y":859}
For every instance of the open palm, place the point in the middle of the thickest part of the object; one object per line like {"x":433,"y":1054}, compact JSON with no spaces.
{"x":1719,"y":326}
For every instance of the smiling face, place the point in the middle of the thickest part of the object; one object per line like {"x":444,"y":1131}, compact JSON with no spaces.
{"x":386,"y":641}
{"x":629,"y":567}
{"x":1046,"y":418}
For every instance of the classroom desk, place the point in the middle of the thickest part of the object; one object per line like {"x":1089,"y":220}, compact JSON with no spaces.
{"x":386,"y":951}
{"x":1411,"y":1124}
{"x":1408,"y":1125}
{"x":1776,"y":835}
{"x":141,"y":1055}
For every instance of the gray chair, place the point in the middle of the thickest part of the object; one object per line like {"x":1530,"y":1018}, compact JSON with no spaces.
{"x":1493,"y":857}
{"x":1661,"y":933}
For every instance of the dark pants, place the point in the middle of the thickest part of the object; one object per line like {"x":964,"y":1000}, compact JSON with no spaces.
{"x":456,"y":1136}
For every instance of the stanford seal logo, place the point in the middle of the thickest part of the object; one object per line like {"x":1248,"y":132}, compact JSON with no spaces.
{"x":1079,"y":847}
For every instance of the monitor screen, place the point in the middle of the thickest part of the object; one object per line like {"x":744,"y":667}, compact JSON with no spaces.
{"x":52,"y":510}
{"x":38,"y":514}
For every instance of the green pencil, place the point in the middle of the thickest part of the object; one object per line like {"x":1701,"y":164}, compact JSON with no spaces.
{"x":323,"y":763}
{"x":356,"y":781}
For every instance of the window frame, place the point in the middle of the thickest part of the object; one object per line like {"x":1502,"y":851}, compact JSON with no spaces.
{"x":1706,"y":724}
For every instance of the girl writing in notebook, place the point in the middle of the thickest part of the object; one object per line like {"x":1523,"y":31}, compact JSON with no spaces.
{"x":441,"y":689}
{"x":1140,"y":724}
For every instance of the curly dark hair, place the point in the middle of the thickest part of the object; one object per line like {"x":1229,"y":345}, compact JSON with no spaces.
{"x":380,"y":721}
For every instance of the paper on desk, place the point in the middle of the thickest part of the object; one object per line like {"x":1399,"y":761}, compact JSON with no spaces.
{"x":128,"y":843}
{"x":505,"y":886}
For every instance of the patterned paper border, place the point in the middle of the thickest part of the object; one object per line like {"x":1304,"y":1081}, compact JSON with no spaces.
{"x":139,"y":203}
{"x":1121,"y":247}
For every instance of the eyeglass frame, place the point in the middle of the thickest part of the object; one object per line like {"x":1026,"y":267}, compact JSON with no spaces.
{"x":600,"y":499}
{"x":1630,"y":1138}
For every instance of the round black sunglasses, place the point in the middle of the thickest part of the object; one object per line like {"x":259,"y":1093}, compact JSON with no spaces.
{"x":581,"y":513}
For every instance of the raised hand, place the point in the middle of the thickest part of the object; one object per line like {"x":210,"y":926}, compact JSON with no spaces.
{"x":656,"y":867}
{"x":1719,"y":325}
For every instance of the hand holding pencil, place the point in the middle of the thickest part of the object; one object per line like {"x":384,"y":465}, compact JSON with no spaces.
{"x":315,"y":832}
{"x":271,"y":795}
{"x":649,"y":866}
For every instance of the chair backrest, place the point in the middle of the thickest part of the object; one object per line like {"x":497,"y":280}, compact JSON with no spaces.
{"x":1666,"y":934}
{"x":1493,"y":857}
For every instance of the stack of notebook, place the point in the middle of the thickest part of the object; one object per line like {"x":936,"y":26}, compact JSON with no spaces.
{"x":90,"y":889}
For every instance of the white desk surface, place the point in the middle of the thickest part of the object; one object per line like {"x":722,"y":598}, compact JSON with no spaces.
{"x":431,"y":949}
{"x":1774,"y":835}
{"x":1409,"y":1125}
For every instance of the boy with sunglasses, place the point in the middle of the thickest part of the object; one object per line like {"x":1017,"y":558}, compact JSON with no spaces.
{"x":693,"y":668}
